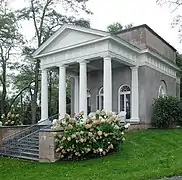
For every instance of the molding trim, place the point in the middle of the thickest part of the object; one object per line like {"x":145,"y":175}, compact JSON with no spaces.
{"x":178,"y":80}
{"x":72,"y":27}
{"x":159,"y":57}
{"x":161,"y":68}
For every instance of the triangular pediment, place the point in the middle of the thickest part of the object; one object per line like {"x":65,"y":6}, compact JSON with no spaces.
{"x":68,"y":36}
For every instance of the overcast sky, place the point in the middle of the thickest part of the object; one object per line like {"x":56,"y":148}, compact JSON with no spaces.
{"x":130,"y":11}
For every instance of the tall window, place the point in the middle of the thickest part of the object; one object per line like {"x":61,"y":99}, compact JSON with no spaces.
{"x":124,"y":102}
{"x":88,"y":101}
{"x":100,"y":99}
{"x":162,"y":89}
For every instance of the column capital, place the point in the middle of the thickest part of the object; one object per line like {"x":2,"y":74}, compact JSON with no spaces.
{"x":63,"y":66}
{"x":107,"y":57}
{"x":83,"y":61}
{"x":134,"y":68}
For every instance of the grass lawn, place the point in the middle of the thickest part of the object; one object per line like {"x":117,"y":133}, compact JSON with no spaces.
{"x":146,"y":155}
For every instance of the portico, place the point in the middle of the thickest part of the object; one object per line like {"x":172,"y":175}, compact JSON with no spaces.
{"x":96,"y":45}
{"x":81,"y":87}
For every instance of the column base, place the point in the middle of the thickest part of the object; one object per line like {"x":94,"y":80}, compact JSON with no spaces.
{"x":134,"y":120}
{"x":44,"y":122}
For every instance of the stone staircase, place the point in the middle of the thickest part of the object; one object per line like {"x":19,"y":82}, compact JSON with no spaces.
{"x":24,"y":144}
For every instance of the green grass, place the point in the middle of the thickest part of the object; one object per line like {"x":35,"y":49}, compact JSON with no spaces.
{"x":146,"y":155}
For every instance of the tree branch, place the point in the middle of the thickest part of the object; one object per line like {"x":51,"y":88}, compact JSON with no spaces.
{"x":34,"y":20}
{"x":42,"y":19}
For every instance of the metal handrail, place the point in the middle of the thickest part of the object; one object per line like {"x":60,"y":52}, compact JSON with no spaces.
{"x":26,"y":129}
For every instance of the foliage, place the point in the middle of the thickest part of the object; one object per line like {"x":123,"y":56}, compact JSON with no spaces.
{"x":91,"y":137}
{"x":151,"y":148}
{"x":117,"y":27}
{"x":10,"y":38}
{"x":46,"y":20}
{"x":11,"y":119}
{"x":166,"y":112}
{"x":175,"y":6}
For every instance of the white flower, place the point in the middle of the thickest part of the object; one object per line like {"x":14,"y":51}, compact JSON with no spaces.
{"x":123,"y":139}
{"x":17,"y":116}
{"x":127,"y":125}
{"x":12,"y":122}
{"x":122,"y":133}
{"x":3,"y":116}
{"x":99,"y":133}
{"x":98,"y":112}
{"x":54,"y":122}
{"x":100,"y":150}
{"x":116,"y":127}
{"x":110,"y":113}
{"x":69,"y":138}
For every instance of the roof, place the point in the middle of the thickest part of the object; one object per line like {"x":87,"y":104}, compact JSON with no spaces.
{"x":150,"y":29}
{"x":103,"y":34}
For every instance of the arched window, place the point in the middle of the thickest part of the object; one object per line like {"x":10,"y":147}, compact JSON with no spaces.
{"x":162,"y":89}
{"x":124,"y":102}
{"x":100,"y":99}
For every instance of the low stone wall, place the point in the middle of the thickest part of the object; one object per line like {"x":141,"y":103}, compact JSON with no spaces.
{"x":8,"y":130}
{"x":47,"y":146}
{"x":139,"y":127}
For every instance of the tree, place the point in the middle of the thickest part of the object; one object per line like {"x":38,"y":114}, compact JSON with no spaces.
{"x":10,"y":38}
{"x":117,"y":27}
{"x":174,"y":5}
{"x":46,"y":21}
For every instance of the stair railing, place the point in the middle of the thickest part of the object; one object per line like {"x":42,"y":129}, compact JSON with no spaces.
{"x":29,"y":130}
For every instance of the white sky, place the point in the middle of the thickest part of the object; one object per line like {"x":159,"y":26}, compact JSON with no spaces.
{"x":130,"y":11}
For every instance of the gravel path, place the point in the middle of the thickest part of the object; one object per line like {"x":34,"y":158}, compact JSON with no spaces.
{"x":173,"y":178}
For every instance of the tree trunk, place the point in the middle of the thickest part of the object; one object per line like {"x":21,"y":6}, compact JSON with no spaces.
{"x":3,"y":102}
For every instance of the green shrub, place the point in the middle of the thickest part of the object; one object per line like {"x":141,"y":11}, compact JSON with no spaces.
{"x":166,"y":112}
{"x":11,"y":120}
{"x":91,"y":137}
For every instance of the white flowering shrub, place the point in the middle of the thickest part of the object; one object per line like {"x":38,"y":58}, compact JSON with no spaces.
{"x":91,"y":137}
{"x":10,"y":119}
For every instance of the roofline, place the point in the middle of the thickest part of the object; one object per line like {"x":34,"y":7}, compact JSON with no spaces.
{"x":135,"y":49}
{"x":150,"y":29}
{"x":68,"y":26}
{"x":161,"y":58}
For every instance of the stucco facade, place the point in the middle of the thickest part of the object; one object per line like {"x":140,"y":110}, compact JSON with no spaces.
{"x":121,"y":72}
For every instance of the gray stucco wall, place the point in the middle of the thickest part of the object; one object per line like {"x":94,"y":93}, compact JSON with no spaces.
{"x":178,"y":90}
{"x":156,"y":44}
{"x":143,"y":38}
{"x":120,"y":76}
{"x":136,"y":37}
{"x":149,"y":82}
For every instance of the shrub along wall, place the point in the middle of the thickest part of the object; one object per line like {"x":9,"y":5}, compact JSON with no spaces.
{"x":167,"y":112}
{"x":91,"y":137}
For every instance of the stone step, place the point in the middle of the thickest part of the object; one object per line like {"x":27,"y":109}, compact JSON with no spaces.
{"x":28,"y":146}
{"x":29,"y":142}
{"x":20,"y":157}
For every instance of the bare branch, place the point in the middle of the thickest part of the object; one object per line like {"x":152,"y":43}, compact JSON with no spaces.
{"x":34,"y":19}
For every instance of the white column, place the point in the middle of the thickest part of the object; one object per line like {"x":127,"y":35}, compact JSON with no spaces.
{"x":83,"y":88}
{"x":76,"y":95}
{"x":134,"y":95}
{"x":62,"y":91}
{"x":107,"y":84}
{"x":44,"y":98}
